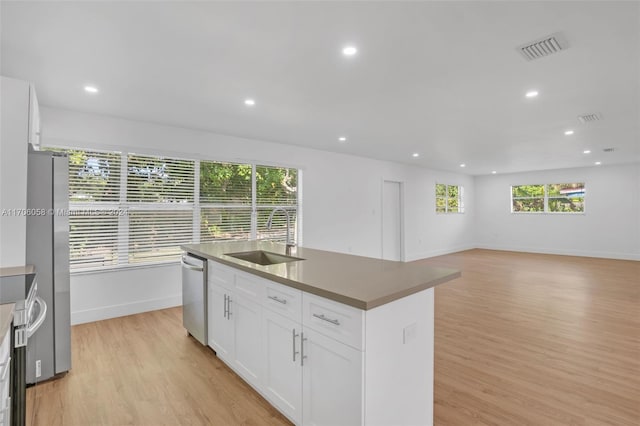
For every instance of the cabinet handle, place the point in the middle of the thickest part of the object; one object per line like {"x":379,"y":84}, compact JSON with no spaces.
{"x":323,"y":318}
{"x":277,"y":299}
{"x":226,"y":309}
{"x":294,"y":335}
{"x":302,"y":355}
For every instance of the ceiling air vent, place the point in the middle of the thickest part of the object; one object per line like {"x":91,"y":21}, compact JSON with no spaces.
{"x":588,"y":118}
{"x":609,"y":149}
{"x":545,"y":46}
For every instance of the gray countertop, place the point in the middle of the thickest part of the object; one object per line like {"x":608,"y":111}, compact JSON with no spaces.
{"x":6,"y":309}
{"x":361,"y":282}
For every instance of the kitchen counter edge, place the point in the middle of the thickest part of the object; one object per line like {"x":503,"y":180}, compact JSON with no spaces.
{"x":341,"y":298}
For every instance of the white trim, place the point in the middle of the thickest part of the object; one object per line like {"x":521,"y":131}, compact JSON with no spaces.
{"x":114,"y":311}
{"x":561,"y":252}
{"x":439,"y":252}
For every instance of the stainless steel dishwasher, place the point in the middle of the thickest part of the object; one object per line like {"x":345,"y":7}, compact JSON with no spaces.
{"x":194,"y":296}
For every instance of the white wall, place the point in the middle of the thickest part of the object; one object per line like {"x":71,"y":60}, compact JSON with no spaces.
{"x":610,"y":226}
{"x":14,"y":127}
{"x":341,"y":203}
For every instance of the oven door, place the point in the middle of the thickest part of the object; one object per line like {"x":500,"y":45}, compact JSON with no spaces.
{"x":35,"y":311}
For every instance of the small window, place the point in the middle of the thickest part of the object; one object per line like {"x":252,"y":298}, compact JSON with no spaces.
{"x":527,"y":198}
{"x":566,"y":198}
{"x":549,"y":198}
{"x":449,"y":198}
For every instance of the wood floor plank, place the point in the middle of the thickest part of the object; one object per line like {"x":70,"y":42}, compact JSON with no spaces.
{"x":520,"y":339}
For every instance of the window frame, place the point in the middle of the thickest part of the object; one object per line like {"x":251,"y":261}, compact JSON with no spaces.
{"x":446,"y":198}
{"x":546,"y":199}
{"x":124,"y":206}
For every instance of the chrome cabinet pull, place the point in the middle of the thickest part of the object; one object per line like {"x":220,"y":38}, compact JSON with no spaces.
{"x":323,"y":318}
{"x":302,"y":355}
{"x":294,"y":335}
{"x":226,"y":309}
{"x":277,"y":299}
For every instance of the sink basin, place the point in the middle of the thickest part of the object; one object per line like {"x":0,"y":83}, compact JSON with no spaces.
{"x":262,"y":257}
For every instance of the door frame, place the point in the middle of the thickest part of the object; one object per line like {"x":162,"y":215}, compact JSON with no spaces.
{"x":401,"y":201}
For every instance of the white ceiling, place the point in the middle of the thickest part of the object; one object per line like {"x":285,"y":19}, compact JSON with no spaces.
{"x":440,"y":78}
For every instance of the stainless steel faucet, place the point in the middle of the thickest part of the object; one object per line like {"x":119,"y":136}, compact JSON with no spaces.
{"x":290,"y":244}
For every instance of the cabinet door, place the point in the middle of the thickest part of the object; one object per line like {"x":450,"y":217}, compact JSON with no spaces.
{"x":332,"y":382}
{"x":220,"y":327}
{"x":246,"y":316}
{"x":283,"y":373}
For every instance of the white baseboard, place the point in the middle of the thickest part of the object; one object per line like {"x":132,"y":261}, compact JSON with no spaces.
{"x":114,"y":311}
{"x":581,"y":253}
{"x":440,"y":252}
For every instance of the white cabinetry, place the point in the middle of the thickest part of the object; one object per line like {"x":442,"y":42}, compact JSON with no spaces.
{"x":331,"y":381}
{"x":34,"y":118}
{"x":18,"y":116}
{"x":220,"y":326}
{"x":321,"y":362}
{"x":5,"y":367}
{"x":283,"y":372}
{"x":235,"y":322}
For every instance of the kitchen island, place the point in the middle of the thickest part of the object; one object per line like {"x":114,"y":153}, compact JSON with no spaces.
{"x":327,"y":338}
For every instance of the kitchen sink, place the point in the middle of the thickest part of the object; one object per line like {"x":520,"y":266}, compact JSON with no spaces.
{"x":262,"y":257}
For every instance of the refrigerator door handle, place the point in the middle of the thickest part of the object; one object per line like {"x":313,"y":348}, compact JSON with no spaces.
{"x":33,"y":327}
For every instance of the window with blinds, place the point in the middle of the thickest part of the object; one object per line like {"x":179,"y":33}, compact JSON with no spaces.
{"x":276,"y":187}
{"x":133,"y":209}
{"x":159,"y":199}
{"x":225,"y":201}
{"x":94,"y":195}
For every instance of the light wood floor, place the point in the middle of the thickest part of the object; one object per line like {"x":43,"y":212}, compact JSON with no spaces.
{"x":520,"y":339}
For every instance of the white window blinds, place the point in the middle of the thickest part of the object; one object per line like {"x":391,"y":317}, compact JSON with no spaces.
{"x":276,"y":187}
{"x":94,"y":214}
{"x":132,"y":209}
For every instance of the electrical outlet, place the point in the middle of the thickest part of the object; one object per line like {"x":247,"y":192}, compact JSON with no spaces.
{"x":409,"y":333}
{"x":38,"y":368}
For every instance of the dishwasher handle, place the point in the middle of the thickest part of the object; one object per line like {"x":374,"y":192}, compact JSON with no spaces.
{"x":188,"y":265}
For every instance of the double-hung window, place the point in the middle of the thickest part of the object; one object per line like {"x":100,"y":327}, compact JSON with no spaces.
{"x":449,"y":198}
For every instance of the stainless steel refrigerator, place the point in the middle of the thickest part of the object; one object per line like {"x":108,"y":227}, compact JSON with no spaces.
{"x":49,"y":350}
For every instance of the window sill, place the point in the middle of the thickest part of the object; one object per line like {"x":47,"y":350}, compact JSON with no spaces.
{"x":118,"y":268}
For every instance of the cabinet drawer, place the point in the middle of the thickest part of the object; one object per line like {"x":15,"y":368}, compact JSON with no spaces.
{"x":285,"y":300}
{"x":220,"y":274}
{"x":249,"y":286}
{"x":336,"y":320}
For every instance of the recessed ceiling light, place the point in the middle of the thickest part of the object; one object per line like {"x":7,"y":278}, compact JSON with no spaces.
{"x":493,"y":172}
{"x":415,"y":155}
{"x":597,"y":163}
{"x":91,"y":89}
{"x":463,"y":165}
{"x":586,"y":151}
{"x":568,"y":132}
{"x":349,"y":50}
{"x":532,"y":94}
{"x":249,"y":102}
{"x":342,"y":139}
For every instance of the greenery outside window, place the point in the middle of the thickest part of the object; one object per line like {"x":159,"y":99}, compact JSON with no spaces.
{"x":548,"y":198}
{"x":449,"y":198}
{"x":137,"y":209}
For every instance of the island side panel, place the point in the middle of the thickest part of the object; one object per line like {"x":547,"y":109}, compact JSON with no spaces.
{"x":398,"y":369}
